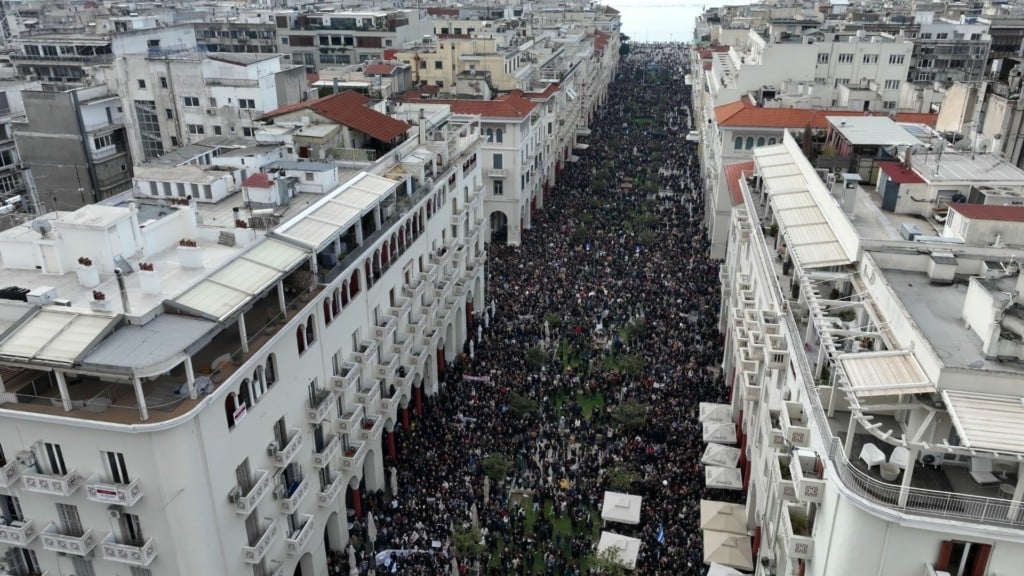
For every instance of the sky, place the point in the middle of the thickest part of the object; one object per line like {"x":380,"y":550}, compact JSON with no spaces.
{"x":663,"y":20}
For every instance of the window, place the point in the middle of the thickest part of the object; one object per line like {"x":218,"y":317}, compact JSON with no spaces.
{"x":498,"y":163}
{"x":191,"y":101}
{"x":896,"y":59}
{"x":438,"y":65}
{"x":892,"y":84}
{"x":117,"y":471}
{"x":169,"y":113}
{"x":750,"y":142}
{"x":309,"y":176}
{"x":846,"y":58}
{"x":300,"y":339}
{"x":889,"y":105}
{"x":213,"y":102}
{"x":102,"y":142}
{"x":975,"y":36}
{"x":738,"y":143}
{"x":10,"y":508}
{"x":163,"y":82}
{"x":499,"y":187}
{"x":142,"y":84}
{"x":270,"y":372}
{"x":870,"y":59}
{"x":131,"y":530}
{"x":311,"y":329}
{"x":771,"y":141}
{"x":207,"y":192}
{"x":941,"y":35}
{"x":490,"y":135}
{"x":960,"y":558}
{"x":216,"y":130}
{"x":760,"y":141}
{"x":196,"y":129}
{"x":248,"y":132}
{"x":497,"y":135}
{"x":174,"y":141}
{"x":842,"y":82}
{"x":926,"y":63}
{"x":53,"y":459}
{"x":823,"y":57}
{"x":926,"y":35}
{"x":247,"y":103}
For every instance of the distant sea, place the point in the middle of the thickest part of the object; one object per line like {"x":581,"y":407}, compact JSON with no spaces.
{"x":663,"y":20}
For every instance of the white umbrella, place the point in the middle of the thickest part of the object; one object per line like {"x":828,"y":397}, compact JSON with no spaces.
{"x":625,"y":549}
{"x":371,"y":528}
{"x":475,"y":516}
{"x":487,"y":489}
{"x":728,"y":549}
{"x":723,"y":517}
{"x":711,"y":412}
{"x":619,"y":507}
{"x":722,"y":477}
{"x":394,"y":481}
{"x":717,"y":569}
{"x":455,"y":566}
{"x":720,"y":455}
{"x":721,"y":432}
{"x":353,"y":568}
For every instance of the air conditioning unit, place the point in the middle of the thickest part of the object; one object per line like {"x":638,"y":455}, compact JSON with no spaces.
{"x":115,"y":512}
{"x":211,"y":112}
{"x":26,"y":459}
{"x":279,"y":492}
{"x":271,"y":448}
{"x":235,"y":495}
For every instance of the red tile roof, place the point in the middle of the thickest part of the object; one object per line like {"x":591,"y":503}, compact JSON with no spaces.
{"x":733,"y":173}
{"x":547,"y":93}
{"x":349,"y":108}
{"x":916,"y":118}
{"x":513,"y":105}
{"x":390,"y":54}
{"x":258,"y":180}
{"x":990,"y":212}
{"x":312,"y":77}
{"x":379,"y":69}
{"x":900,"y":175}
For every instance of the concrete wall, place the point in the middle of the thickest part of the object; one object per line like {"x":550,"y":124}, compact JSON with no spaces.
{"x":51,"y":145}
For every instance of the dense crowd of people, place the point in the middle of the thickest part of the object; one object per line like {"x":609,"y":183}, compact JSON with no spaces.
{"x":613,"y":283}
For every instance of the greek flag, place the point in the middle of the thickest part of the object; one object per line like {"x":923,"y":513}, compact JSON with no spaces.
{"x":661,"y":533}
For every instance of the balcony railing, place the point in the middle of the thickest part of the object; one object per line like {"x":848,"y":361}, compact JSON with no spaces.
{"x":388,"y":369}
{"x":255,"y":553}
{"x":9,"y":474}
{"x":326,"y":497}
{"x":246,"y":503}
{"x":797,"y":530}
{"x":141,"y":555}
{"x":322,"y":403}
{"x":297,"y":540}
{"x":18,"y":532}
{"x":52,"y":484}
{"x":346,"y":382}
{"x":352,"y":457}
{"x":54,"y":541}
{"x":809,"y":488}
{"x":783,"y":477}
{"x":349,"y":422}
{"x":323,"y":458}
{"x":385,"y":329}
{"x":496,"y":173}
{"x":371,"y":429}
{"x":369,"y":397}
{"x":111,"y":493}
{"x":291,"y":497}
{"x":367,"y":352}
{"x":283,"y":456}
{"x":794,"y":424}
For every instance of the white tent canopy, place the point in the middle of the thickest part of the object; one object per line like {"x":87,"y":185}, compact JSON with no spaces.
{"x":711,"y":412}
{"x":728,"y":549}
{"x":720,"y":455}
{"x":721,"y":432}
{"x":626,"y":549}
{"x":717,"y":569}
{"x":619,"y":507}
{"x":723,"y":517}
{"x":722,"y":477}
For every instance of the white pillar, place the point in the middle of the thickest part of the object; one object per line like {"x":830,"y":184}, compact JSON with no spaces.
{"x":281,"y":299}
{"x":908,"y":474}
{"x":190,"y":377}
{"x":141,"y":398}
{"x":1018,"y":494}
{"x":62,"y":384}
{"x":848,"y":447}
{"x":243,"y":334}
{"x":2,"y":387}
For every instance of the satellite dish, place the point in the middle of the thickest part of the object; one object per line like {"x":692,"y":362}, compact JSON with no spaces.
{"x":43,"y":227}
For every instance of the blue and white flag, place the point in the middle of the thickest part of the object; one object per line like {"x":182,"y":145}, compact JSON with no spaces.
{"x":661,"y":533}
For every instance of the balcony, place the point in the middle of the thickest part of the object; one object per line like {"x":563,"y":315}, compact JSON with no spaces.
{"x":366,"y":354}
{"x":385,"y":329}
{"x":415,"y":289}
{"x":371,"y":429}
{"x":440,"y":258}
{"x":810,"y":487}
{"x":255,"y":553}
{"x":52,"y":484}
{"x":110,"y":493}
{"x":283,"y":456}
{"x":403,"y":348}
{"x":298,"y":539}
{"x":352,"y":457}
{"x":782,"y":476}
{"x":796,"y":527}
{"x":369,"y":397}
{"x":431,"y":337}
{"x":347,"y":381}
{"x":54,"y":541}
{"x":140,"y":555}
{"x":292,"y":496}
{"x":246,"y":503}
{"x":776,"y":438}
{"x":429,"y":274}
{"x":403,"y":308}
{"x":325,"y":498}
{"x":750,"y":385}
{"x":18,"y":532}
{"x":323,"y":458}
{"x":349,"y":422}
{"x":388,"y":369}
{"x":496,"y":173}
{"x":794,"y":424}
{"x":389,"y":406}
{"x":9,"y":474}
{"x":430,"y":310}
{"x":321,"y":404}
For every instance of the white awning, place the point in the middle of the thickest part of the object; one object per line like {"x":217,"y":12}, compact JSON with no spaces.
{"x":723,"y":478}
{"x":151,"y":348}
{"x":723,"y":516}
{"x":712,"y":412}
{"x":728,"y":549}
{"x":716,"y":569}
{"x":329,"y":217}
{"x":888,"y":373}
{"x":721,"y":432}
{"x":225,"y":291}
{"x":625,"y":549}
{"x":621,"y":507}
{"x":720,"y":455}
{"x":987,"y":421}
{"x":56,"y":336}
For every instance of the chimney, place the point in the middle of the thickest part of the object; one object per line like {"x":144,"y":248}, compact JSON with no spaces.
{"x":149,"y":278}
{"x":336,"y":85}
{"x":123,"y":289}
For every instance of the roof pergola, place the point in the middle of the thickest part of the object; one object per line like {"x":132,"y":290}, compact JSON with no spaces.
{"x":992,"y":422}
{"x":887,"y":373}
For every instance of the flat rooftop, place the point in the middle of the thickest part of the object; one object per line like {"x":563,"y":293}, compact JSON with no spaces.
{"x":937,"y":311}
{"x":872,"y":130}
{"x":978,"y":169}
